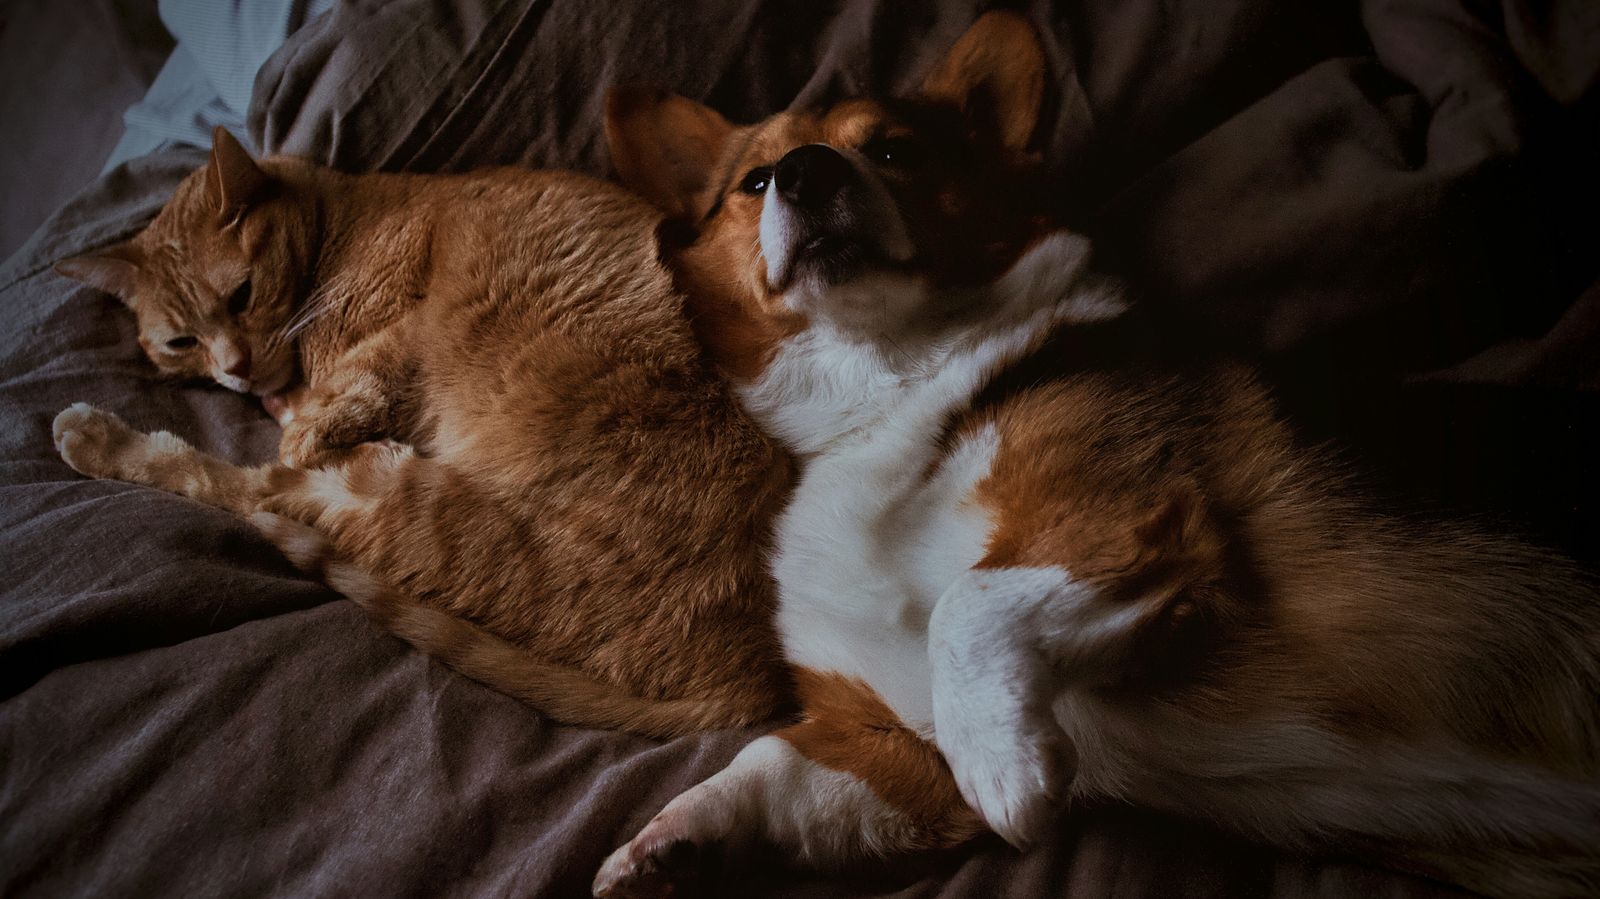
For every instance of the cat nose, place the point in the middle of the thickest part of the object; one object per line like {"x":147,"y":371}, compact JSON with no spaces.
{"x":239,"y":365}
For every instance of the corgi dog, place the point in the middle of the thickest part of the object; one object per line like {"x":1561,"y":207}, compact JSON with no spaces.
{"x":1018,"y":571}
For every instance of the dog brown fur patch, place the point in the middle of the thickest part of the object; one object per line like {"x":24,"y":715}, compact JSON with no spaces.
{"x":849,"y":728}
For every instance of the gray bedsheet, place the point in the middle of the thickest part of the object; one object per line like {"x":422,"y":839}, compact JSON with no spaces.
{"x":1373,"y":191}
{"x":67,"y":72}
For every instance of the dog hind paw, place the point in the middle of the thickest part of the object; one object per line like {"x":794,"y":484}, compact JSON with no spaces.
{"x":658,"y":863}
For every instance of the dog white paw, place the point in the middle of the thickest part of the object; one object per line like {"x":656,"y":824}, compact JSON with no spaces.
{"x":993,"y":692}
{"x":993,"y":723}
{"x":1010,"y":773}
{"x":670,"y":856}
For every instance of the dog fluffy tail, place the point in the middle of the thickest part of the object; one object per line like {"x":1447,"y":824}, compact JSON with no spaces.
{"x":562,"y":692}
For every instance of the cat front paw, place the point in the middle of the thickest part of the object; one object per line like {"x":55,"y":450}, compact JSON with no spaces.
{"x":277,"y":406}
{"x":321,"y":441}
{"x":304,"y":445}
{"x":93,"y":441}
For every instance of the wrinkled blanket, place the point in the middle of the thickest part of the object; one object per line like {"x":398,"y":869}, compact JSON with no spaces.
{"x":1389,"y":205}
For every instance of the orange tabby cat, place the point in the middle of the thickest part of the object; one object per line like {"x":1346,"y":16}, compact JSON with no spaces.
{"x":316,"y":277}
{"x":581,"y":486}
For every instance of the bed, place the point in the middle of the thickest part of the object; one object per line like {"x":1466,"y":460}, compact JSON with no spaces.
{"x":1388,"y":205}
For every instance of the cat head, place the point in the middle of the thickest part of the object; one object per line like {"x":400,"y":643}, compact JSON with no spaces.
{"x":868,"y":217}
{"x":213,"y":280}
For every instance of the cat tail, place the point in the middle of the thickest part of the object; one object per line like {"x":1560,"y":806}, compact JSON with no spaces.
{"x":561,"y":692}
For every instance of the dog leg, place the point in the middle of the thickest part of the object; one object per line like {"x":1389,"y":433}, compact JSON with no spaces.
{"x":1003,"y":642}
{"x":848,"y":783}
{"x":992,"y":690}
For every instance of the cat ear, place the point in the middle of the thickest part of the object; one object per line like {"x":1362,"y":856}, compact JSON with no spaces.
{"x":664,"y":146}
{"x":234,"y":180}
{"x":113,"y":269}
{"x":995,"y":75}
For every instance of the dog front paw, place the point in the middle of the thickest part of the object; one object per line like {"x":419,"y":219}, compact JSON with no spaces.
{"x":1010,"y":772}
{"x":93,"y":441}
{"x":993,"y":691}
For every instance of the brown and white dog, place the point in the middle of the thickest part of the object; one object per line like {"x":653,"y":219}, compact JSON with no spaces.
{"x":1068,"y":578}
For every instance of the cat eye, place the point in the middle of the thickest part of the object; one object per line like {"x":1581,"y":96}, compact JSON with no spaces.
{"x":898,"y":152}
{"x":240,"y":298}
{"x":756,"y":180}
{"x":182,"y":343}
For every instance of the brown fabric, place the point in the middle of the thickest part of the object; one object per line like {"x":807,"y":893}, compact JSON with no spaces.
{"x":1358,"y":194}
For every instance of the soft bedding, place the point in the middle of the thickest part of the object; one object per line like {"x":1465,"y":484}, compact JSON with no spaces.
{"x":67,"y":71}
{"x":1389,"y":204}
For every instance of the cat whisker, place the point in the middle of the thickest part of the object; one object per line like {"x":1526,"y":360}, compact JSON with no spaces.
{"x":318,"y":304}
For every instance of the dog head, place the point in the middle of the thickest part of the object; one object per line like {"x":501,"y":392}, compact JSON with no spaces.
{"x":866,"y":217}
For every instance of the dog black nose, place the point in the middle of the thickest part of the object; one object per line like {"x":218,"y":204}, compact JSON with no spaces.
{"x":811,"y":175}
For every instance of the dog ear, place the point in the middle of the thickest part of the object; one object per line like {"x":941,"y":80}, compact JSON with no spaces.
{"x":113,"y":270}
{"x":664,"y":146}
{"x":234,"y":181}
{"x":995,"y":75}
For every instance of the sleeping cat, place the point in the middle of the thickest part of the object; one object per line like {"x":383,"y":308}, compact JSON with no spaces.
{"x":311,"y":289}
{"x":579,"y":486}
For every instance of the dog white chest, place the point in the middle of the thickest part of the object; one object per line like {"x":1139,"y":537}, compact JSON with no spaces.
{"x":883,"y":521}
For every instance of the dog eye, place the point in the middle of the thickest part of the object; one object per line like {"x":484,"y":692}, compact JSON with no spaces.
{"x":755,"y":181}
{"x":240,"y":298}
{"x":899,"y":152}
{"x":182,"y":343}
